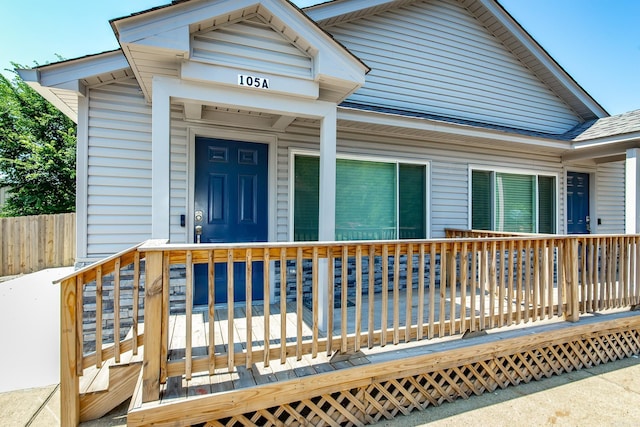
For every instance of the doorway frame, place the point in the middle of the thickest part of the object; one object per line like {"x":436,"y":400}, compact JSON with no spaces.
{"x":238,"y":135}
{"x":592,"y":196}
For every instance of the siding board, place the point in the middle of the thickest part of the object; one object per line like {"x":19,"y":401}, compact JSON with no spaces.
{"x":434,"y":57}
{"x":119,"y":168}
{"x":251,"y":44}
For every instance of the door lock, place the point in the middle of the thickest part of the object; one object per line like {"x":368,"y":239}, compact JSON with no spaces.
{"x":588,"y":222}
{"x":199,"y":215}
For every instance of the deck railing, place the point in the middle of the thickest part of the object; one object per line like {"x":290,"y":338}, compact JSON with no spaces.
{"x":100,"y":319}
{"x":346,"y":296}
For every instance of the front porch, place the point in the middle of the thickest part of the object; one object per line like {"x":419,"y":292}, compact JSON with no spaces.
{"x":383,"y":355}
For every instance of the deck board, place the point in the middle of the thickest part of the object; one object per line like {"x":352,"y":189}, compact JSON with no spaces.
{"x":292,"y":368}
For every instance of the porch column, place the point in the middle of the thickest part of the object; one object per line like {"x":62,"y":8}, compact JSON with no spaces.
{"x":632,"y":189}
{"x":327,"y":204}
{"x":160,"y":160}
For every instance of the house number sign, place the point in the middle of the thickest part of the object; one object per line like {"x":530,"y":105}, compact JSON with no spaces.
{"x":253,"y":81}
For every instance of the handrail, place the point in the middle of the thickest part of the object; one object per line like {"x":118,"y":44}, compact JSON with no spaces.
{"x":97,"y":282}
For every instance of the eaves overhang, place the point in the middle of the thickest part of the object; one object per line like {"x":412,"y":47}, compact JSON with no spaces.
{"x":61,"y":83}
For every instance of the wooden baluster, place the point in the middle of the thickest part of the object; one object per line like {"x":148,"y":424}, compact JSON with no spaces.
{"x":527,"y":282}
{"x":550,"y":287}
{"x":314,"y":301}
{"x":443,"y":290}
{"x":623,"y":279}
{"x":212,"y":313}
{"x":99,"y":316}
{"x":420,"y":321}
{"x":611,"y":271}
{"x":409,"y":294}
{"x":536,"y":280}
{"x":474,"y":284}
{"x":385,"y":295}
{"x":188,"y":359}
{"x":331,"y":298}
{"x":493,"y":283}
{"x":283,"y":305}
{"x":510,"y":282}
{"x":164,"y":325}
{"x":396,"y":295}
{"x":358,"y":325}
{"x":344,"y":290}
{"x":502,"y":280}
{"x":299,"y":306}
{"x":453,"y":272}
{"x":584,"y":251}
{"x":572,"y":273}
{"x":484,"y":255}
{"x":136,"y":301}
{"x":562,"y":271}
{"x":594,"y":273}
{"x":371,"y":291}
{"x":464,"y":281}
{"x":544,"y":278}
{"x":519,"y":274}
{"x":79,"y":324}
{"x":230,"y":314}
{"x":266,"y":259}
{"x":636,"y":271}
{"x":249,"y":307}
{"x":116,"y":310}
{"x":432,"y":290}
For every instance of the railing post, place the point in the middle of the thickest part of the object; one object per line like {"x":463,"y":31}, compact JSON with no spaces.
{"x":153,"y":313}
{"x":571,"y":277}
{"x":69,"y":381}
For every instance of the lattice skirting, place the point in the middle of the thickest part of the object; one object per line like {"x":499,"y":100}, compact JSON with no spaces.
{"x":388,"y":398}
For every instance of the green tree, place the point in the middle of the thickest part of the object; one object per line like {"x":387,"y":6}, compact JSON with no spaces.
{"x":37,"y":152}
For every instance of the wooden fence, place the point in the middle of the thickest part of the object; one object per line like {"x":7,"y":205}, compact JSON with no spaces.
{"x":32,"y":243}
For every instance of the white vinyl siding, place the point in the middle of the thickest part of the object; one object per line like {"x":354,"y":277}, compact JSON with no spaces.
{"x":434,"y":57}
{"x":253,"y":45}
{"x":610,"y":198}
{"x":179,"y":176}
{"x":119,"y":168}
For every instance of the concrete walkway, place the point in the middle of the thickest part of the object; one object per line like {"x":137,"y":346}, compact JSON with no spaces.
{"x":30,"y":330}
{"x":29,"y":395}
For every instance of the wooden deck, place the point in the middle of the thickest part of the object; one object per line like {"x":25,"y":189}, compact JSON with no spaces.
{"x":384,"y":353}
{"x":179,"y":387}
{"x":390,"y":380}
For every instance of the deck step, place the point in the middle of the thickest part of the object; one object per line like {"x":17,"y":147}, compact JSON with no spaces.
{"x":103,"y":389}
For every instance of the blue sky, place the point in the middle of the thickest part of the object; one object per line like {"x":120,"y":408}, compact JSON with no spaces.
{"x":595,"y":41}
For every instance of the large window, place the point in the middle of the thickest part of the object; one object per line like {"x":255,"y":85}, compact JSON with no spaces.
{"x":513,"y":202}
{"x":374,"y":200}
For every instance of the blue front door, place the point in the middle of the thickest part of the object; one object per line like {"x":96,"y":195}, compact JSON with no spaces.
{"x":578,"y":220}
{"x":231,"y":193}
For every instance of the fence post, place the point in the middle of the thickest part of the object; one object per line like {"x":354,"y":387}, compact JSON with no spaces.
{"x":571,"y":277}
{"x":69,"y":381}
{"x":153,"y":313}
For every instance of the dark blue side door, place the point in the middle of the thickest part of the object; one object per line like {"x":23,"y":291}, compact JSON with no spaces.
{"x":578,"y":203}
{"x":231,"y":192}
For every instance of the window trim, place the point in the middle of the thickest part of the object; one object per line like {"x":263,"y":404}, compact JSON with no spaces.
{"x":515,"y":171}
{"x":293,"y":152}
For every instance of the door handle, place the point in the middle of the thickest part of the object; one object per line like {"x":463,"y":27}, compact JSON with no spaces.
{"x":198,"y":233}
{"x":199,"y":215}
{"x":588,"y":222}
